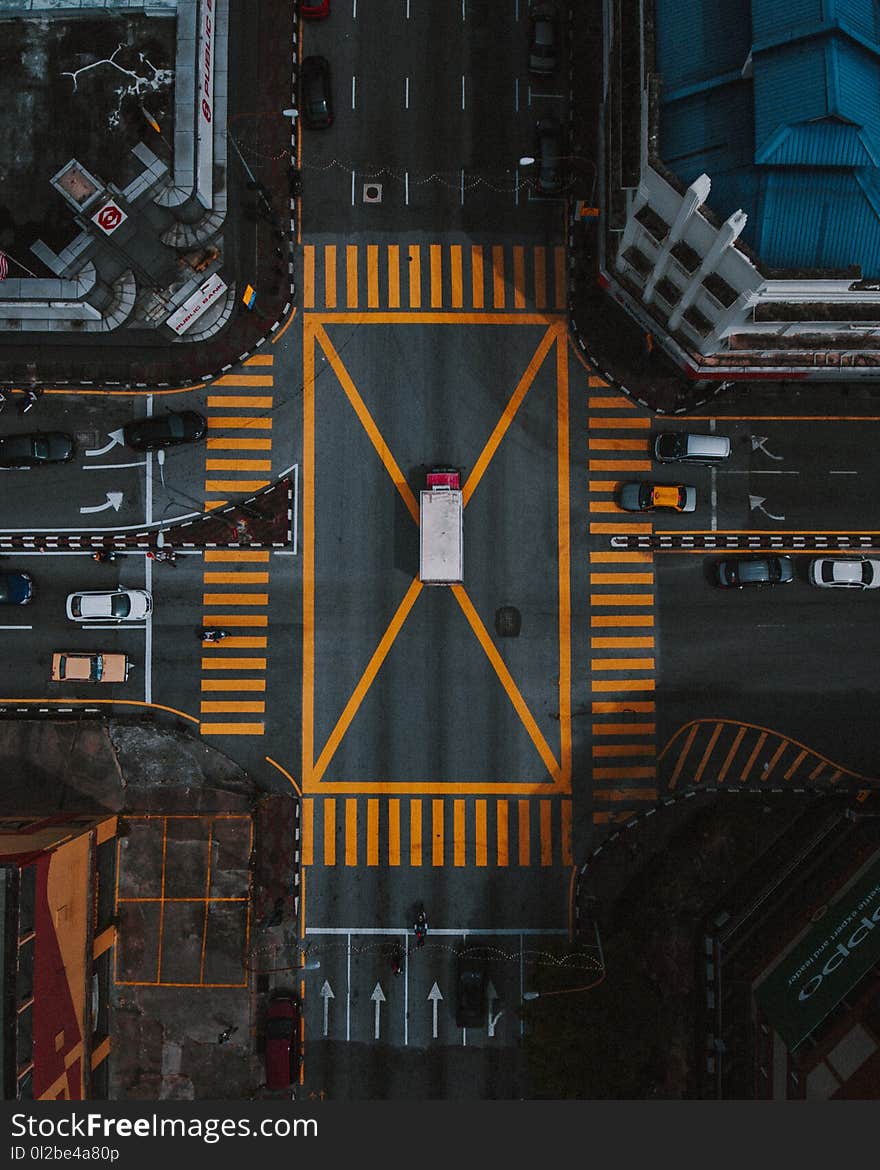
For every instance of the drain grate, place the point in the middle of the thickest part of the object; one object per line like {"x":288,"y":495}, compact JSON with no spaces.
{"x":508,"y":621}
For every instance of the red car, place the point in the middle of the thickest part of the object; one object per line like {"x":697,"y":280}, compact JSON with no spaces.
{"x":314,"y":9}
{"x":282,"y":1041}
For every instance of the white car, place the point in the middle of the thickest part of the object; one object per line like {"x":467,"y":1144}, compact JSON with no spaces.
{"x":109,"y":605}
{"x":845,"y":573}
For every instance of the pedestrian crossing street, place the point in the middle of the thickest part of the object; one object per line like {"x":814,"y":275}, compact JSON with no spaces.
{"x":424,"y":277}
{"x":235,"y":585}
{"x":622,"y":603}
{"x":439,"y":831}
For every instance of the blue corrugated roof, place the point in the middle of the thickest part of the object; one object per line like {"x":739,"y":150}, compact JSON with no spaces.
{"x":796,"y":142}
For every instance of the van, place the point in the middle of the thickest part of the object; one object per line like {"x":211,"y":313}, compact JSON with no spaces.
{"x":682,"y":447}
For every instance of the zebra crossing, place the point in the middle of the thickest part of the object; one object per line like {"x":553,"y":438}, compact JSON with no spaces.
{"x":440,"y":831}
{"x":235,"y":584}
{"x":622,"y":602}
{"x":424,"y":277}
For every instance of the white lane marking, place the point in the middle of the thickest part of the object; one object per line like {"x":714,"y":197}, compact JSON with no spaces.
{"x":352,"y":188}
{"x":462,"y":87}
{"x":353,"y":91}
{"x":148,"y":636}
{"x":407,"y":9}
{"x":462,"y":10}
{"x":114,"y":436}
{"x":114,"y":500}
{"x":354,"y":10}
{"x":406,"y":95}
{"x":111,"y":466}
{"x":112,"y":626}
{"x":115,"y":528}
{"x":462,"y":186}
{"x":754,"y":471}
{"x":406,"y":187}
{"x":843,"y":473}
{"x":516,"y":95}
{"x":16,"y":627}
{"x":148,"y":474}
{"x":347,"y":985}
{"x":434,"y":997}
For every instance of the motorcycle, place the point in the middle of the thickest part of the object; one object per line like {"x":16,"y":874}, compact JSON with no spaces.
{"x":421,"y":927}
{"x":104,"y":555}
{"x":206,"y":635}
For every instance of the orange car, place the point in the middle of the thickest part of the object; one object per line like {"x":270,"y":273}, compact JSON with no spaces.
{"x":646,"y":497}
{"x":89,"y":666}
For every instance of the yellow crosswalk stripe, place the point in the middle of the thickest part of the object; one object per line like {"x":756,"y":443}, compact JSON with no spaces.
{"x":232,"y":706}
{"x":230,"y":444}
{"x":229,"y":401}
{"x":227,"y":663}
{"x":236,"y":578}
{"x":235,"y":599}
{"x":235,"y":485}
{"x":251,"y":555}
{"x":232,"y":729}
{"x":238,"y":465}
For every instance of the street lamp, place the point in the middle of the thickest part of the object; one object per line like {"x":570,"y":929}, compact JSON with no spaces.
{"x":529,"y":995}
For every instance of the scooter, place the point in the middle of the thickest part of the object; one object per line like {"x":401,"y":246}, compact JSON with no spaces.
{"x":104,"y":555}
{"x":421,"y":927}
{"x":206,"y":635}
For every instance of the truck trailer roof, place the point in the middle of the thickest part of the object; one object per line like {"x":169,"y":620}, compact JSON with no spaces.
{"x":441,"y":546}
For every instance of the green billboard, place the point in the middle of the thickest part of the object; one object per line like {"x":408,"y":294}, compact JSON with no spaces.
{"x":828,"y":961}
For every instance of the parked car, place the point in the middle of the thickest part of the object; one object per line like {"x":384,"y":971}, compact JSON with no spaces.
{"x":109,"y":605}
{"x":317,"y":98}
{"x":16,"y":588}
{"x":844,"y":573}
{"x":548,"y":151}
{"x":282,"y":1040}
{"x":471,"y":1007}
{"x":314,"y":9}
{"x":737,"y":572}
{"x":165,"y":430}
{"x":32,"y":450}
{"x":649,"y":497}
{"x":543,"y":39}
{"x":682,"y":447}
{"x":89,"y":666}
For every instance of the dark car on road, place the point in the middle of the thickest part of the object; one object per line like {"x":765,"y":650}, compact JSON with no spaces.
{"x":470,"y":1006}
{"x":544,"y":39}
{"x":32,"y":450}
{"x":282,"y":1040}
{"x":16,"y":588}
{"x":738,"y":572}
{"x":165,"y":430}
{"x":317,"y":99}
{"x":548,"y":151}
{"x":314,"y":9}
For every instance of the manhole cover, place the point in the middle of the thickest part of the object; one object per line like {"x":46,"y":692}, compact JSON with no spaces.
{"x":372,"y":192}
{"x":508,"y":622}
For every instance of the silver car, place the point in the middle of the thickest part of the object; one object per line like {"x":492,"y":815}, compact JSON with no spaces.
{"x":845,"y":573}
{"x":109,"y":605}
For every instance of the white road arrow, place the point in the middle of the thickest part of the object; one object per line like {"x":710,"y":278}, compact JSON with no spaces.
{"x":758,"y":441}
{"x":115,"y":437}
{"x":114,"y":500}
{"x":492,"y":995}
{"x":434,"y":996}
{"x":756,"y":503}
{"x":378,"y":998}
{"x":326,"y":995}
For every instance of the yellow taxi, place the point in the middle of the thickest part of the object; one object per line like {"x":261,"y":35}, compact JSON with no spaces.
{"x":649,"y":497}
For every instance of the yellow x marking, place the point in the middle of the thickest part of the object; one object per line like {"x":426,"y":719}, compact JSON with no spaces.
{"x":559,"y":770}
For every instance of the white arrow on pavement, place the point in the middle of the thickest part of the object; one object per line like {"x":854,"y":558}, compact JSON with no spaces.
{"x":492,"y":995}
{"x":434,"y":996}
{"x":758,"y":441}
{"x":115,"y":437}
{"x":326,"y":995}
{"x":114,"y":500}
{"x":756,"y":503}
{"x":378,"y":998}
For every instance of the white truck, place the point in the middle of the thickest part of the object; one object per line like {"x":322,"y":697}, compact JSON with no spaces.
{"x":441,"y":540}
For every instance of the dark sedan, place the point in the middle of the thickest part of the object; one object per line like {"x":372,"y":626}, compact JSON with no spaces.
{"x":35,"y":449}
{"x":317,"y":99}
{"x":16,"y":588}
{"x":544,"y":40}
{"x":738,"y":572}
{"x":548,"y":152}
{"x":471,"y":1007}
{"x":165,"y":430}
{"x":282,"y":1040}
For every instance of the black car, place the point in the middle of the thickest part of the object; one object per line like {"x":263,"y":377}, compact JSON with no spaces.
{"x":548,"y":151}
{"x":317,"y":100}
{"x":36,"y":449}
{"x":737,"y":572}
{"x":471,"y":1008}
{"x":544,"y":40}
{"x":165,"y":430}
{"x":16,"y":588}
